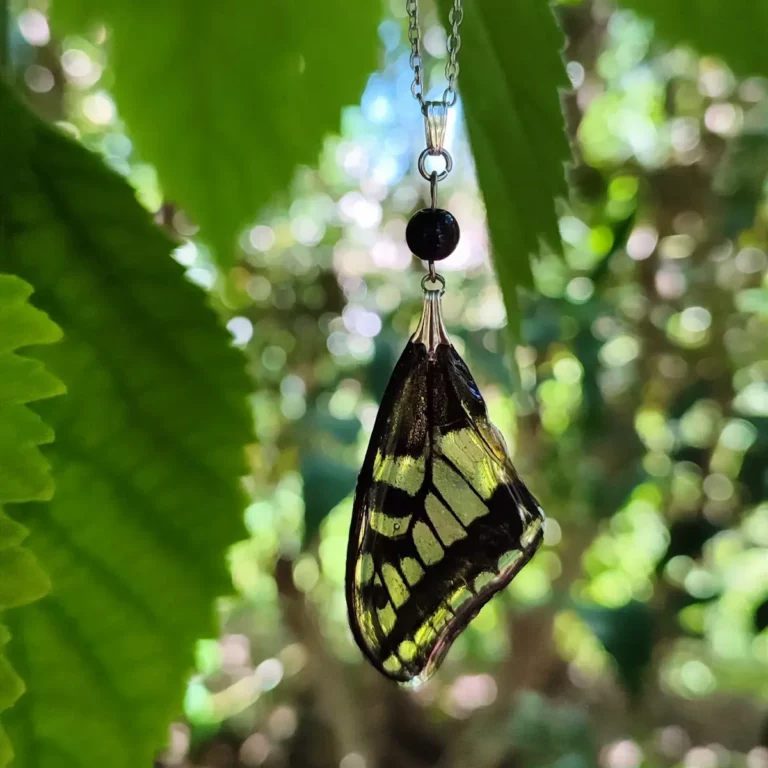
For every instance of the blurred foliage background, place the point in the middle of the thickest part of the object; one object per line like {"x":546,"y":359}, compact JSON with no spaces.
{"x":636,"y":404}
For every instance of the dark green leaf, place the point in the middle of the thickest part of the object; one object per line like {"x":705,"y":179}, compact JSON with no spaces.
{"x":626,"y":634}
{"x":148,"y":453}
{"x":688,"y":397}
{"x":730,"y":30}
{"x":688,"y":536}
{"x":494,"y":365}
{"x":319,"y":422}
{"x":388,"y":348}
{"x":24,"y":473}
{"x":760,"y":616}
{"x":511,"y":73}
{"x":754,"y":467}
{"x":326,"y":483}
{"x":226,"y":99}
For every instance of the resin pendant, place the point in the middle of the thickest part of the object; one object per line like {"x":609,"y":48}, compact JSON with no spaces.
{"x":441,"y":518}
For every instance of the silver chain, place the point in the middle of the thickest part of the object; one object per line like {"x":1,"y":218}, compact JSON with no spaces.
{"x":414,"y":38}
{"x":455,"y":17}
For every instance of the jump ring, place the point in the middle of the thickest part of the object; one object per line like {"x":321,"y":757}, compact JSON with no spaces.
{"x":431,"y":153}
{"x":436,"y":279}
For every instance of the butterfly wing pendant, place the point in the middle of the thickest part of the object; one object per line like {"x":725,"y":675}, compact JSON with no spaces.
{"x":441,"y":519}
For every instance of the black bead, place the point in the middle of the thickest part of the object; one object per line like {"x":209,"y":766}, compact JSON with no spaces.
{"x":432,"y":234}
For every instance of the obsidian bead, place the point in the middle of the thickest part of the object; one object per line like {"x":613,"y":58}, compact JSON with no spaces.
{"x":432,"y":234}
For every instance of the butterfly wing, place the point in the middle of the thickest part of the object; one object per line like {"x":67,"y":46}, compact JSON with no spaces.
{"x":441,"y":519}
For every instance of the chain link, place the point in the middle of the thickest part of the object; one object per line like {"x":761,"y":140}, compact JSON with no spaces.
{"x":455,"y":17}
{"x":414,"y":37}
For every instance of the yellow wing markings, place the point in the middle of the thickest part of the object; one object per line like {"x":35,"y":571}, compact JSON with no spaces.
{"x":421,"y":640}
{"x":403,"y":472}
{"x":395,"y":585}
{"x":364,"y":571}
{"x":441,"y":617}
{"x":367,"y":626}
{"x":483,"y":579}
{"x":465,"y":503}
{"x":412,"y":570}
{"x":464,"y":476}
{"x":407,"y":650}
{"x":392,"y":664}
{"x":427,"y":545}
{"x":445,"y":524}
{"x":387,"y":618}
{"x":467,"y":452}
{"x":530,"y":533}
{"x":389,"y":526}
{"x":458,"y":598}
{"x":425,"y":635}
{"x":509,"y":559}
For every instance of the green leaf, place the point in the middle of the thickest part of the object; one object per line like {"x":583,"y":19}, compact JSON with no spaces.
{"x":148,"y":452}
{"x":492,"y":364}
{"x":729,"y":30}
{"x":387,"y":350}
{"x":511,"y":70}
{"x":318,"y":421}
{"x":24,"y":473}
{"x":626,"y":633}
{"x":227,"y":98}
{"x":760,"y":616}
{"x":326,"y":483}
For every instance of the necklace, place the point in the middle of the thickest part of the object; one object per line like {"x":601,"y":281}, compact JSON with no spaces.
{"x":441,"y":519}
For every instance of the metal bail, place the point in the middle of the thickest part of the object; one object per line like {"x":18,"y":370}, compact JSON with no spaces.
{"x":435,"y":122}
{"x":431,"y":332}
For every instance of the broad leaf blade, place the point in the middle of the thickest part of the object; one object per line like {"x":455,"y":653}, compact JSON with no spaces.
{"x":24,"y":473}
{"x":626,"y":633}
{"x":327,"y":482}
{"x":226,"y":99}
{"x":731,"y":30}
{"x":148,"y":455}
{"x":511,"y":70}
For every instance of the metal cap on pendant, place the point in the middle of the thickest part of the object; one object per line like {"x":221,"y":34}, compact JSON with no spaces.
{"x":431,"y":331}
